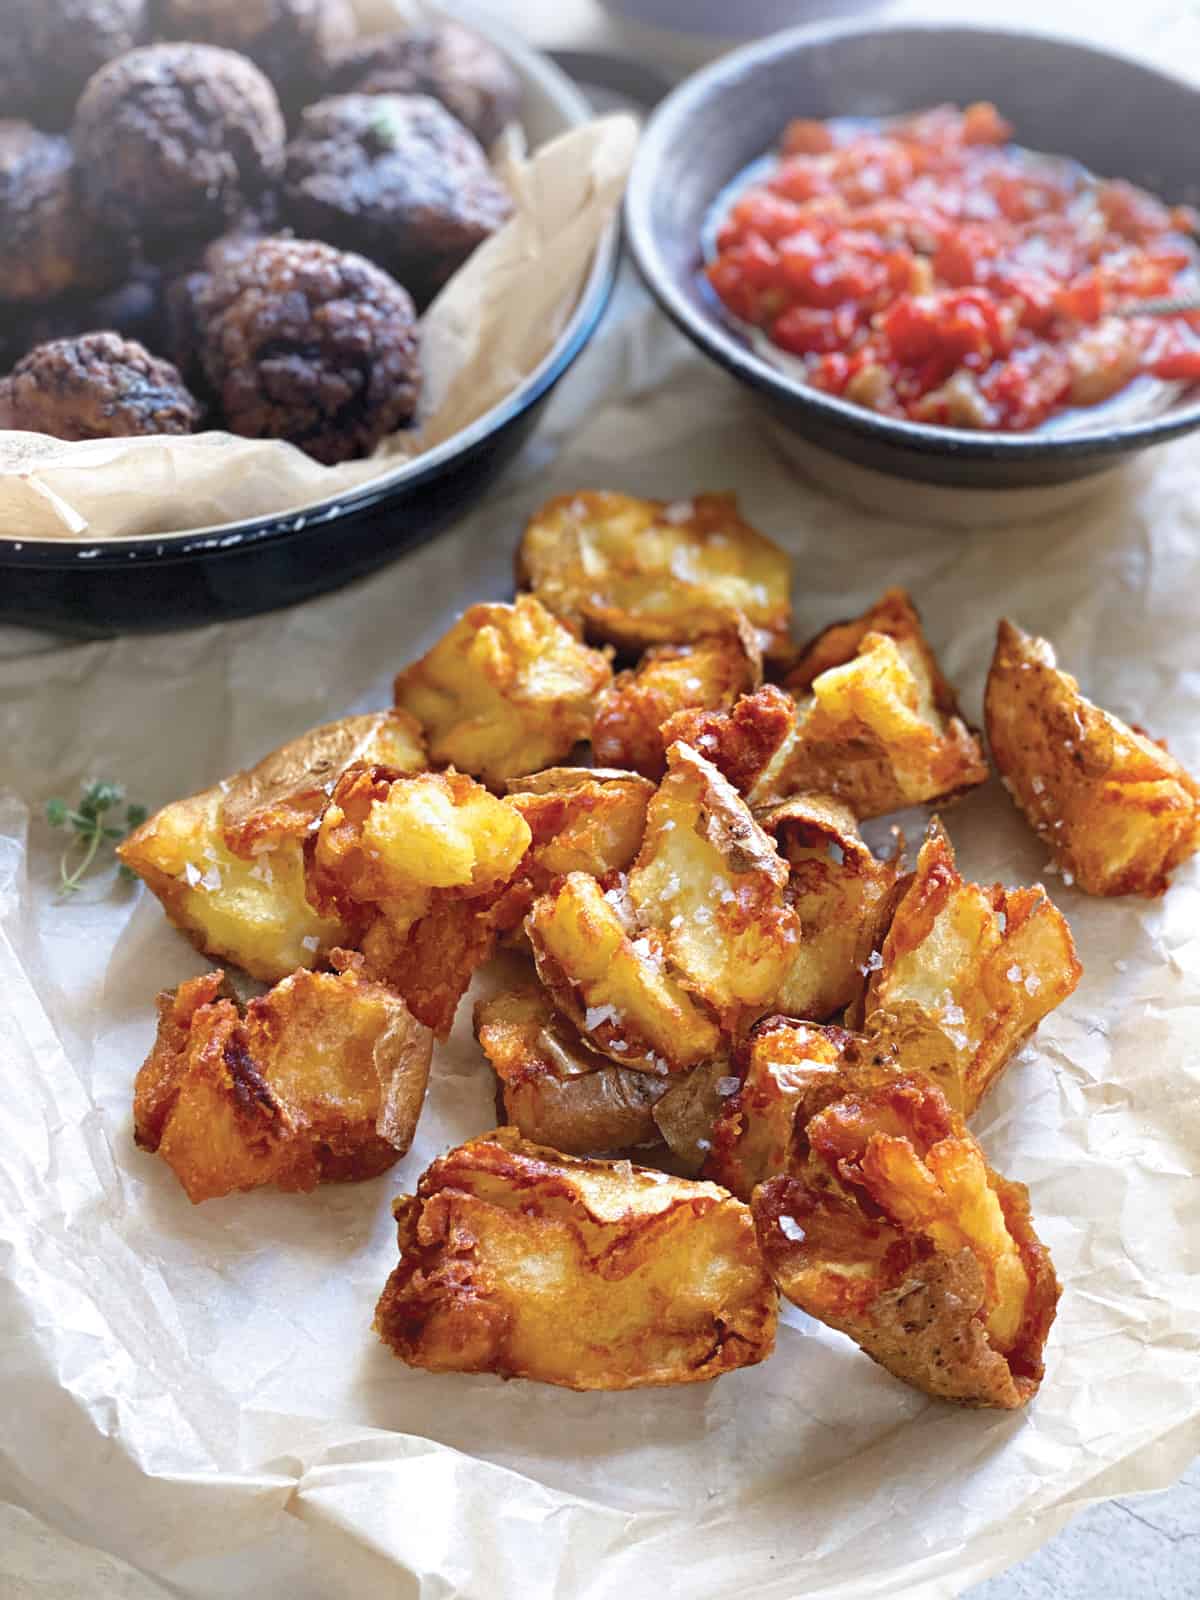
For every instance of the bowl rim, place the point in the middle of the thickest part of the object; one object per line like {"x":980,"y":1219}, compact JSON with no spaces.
{"x":709,"y":333}
{"x":225,"y":538}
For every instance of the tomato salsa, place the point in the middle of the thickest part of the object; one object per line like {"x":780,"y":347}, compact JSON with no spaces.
{"x":929,"y":269}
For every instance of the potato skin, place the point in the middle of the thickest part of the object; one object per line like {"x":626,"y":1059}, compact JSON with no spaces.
{"x":523,"y":1262}
{"x":1117,"y":812}
{"x":843,"y":896}
{"x":889,"y":1226}
{"x":582,"y":820}
{"x":319,"y":1080}
{"x":556,"y":1090}
{"x":636,"y":572}
{"x":965,"y":974}
{"x":508,"y":690}
{"x":708,"y":675}
{"x":228,"y":863}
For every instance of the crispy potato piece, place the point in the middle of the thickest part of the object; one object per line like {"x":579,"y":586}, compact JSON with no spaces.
{"x":555,"y":1089}
{"x":707,"y":675}
{"x":843,"y":896}
{"x":506,"y":691}
{"x":614,"y":986}
{"x":587,"y":1274}
{"x":711,"y":883}
{"x":876,"y":725}
{"x":1117,"y":812}
{"x":751,"y":1137}
{"x":428,"y":864}
{"x":966,"y":974}
{"x":228,"y":864}
{"x":319,"y":1080}
{"x":640,"y":572}
{"x":891,"y":1227}
{"x":582,"y":820}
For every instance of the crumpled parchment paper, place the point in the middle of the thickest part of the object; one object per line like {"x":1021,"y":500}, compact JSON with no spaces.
{"x":488,"y":329}
{"x":193,"y":1401}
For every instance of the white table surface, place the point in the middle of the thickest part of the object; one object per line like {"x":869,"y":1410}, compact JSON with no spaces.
{"x":1146,"y":1547}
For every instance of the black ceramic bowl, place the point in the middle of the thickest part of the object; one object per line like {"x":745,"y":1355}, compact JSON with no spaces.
{"x":175,"y":580}
{"x":1119,"y":118}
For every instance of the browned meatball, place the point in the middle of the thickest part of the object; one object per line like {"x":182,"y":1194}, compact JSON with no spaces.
{"x":310,"y":344}
{"x":293,"y":41}
{"x":396,"y":177}
{"x":46,"y":246}
{"x":185,"y":297}
{"x":175,"y":141}
{"x":454,"y":64}
{"x":98,"y":386}
{"x":50,"y":48}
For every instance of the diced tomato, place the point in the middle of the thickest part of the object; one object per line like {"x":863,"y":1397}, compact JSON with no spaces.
{"x":921,"y":269}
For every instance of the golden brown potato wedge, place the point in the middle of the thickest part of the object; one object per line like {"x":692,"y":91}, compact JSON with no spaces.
{"x":555,"y":1089}
{"x":508,"y":690}
{"x":709,"y":675}
{"x":843,"y":896}
{"x":591,"y":1275}
{"x":228,"y":864}
{"x":751,"y":1137}
{"x":1117,"y":812}
{"x":711,"y":883}
{"x":613,"y":982}
{"x":582,"y":820}
{"x":642,"y":572}
{"x":319,"y":1080}
{"x":890,"y":1227}
{"x":428,"y":866}
{"x":965,"y":974}
{"x":876,"y":725}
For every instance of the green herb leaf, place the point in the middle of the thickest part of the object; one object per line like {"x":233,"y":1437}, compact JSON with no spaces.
{"x":90,"y":830}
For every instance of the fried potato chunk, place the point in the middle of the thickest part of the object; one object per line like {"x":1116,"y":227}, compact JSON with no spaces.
{"x":426,"y":863}
{"x":591,"y":1275}
{"x":228,"y":864}
{"x":708,"y":675}
{"x":711,"y":883}
{"x":890,"y":1227}
{"x":843,"y":896}
{"x":751,"y":1137}
{"x":613,"y":982}
{"x":319,"y":1080}
{"x":686,"y":1114}
{"x":642,"y":572}
{"x":507,"y":690}
{"x":966,"y":973}
{"x":875,"y":724}
{"x":1117,"y":812}
{"x":555,"y":1089}
{"x":582,"y":820}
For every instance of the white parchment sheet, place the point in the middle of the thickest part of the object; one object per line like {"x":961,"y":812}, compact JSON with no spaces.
{"x":193,"y":1402}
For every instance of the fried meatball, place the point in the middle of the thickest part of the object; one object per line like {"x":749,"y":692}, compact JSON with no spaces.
{"x":187,"y":286}
{"x":396,"y":177}
{"x":174,"y":141}
{"x":293,"y":41}
{"x":46,"y":246}
{"x":98,"y":386}
{"x":455,"y":65}
{"x":310,"y":344}
{"x":50,"y":48}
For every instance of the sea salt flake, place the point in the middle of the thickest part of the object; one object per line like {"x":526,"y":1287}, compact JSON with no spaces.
{"x":1068,"y":878}
{"x":1037,"y":785}
{"x":311,"y":942}
{"x":595,"y":1016}
{"x":875,"y":961}
{"x":191,"y":874}
{"x":211,"y":881}
{"x":791,"y":1229}
{"x":703,"y":1144}
{"x":1032,"y":983}
{"x":668,"y":825}
{"x":728,"y":1086}
{"x":1014,"y":974}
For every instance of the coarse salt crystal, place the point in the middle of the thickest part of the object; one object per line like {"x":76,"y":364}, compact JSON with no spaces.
{"x":1037,"y":785}
{"x":644,"y":948}
{"x":595,"y":1016}
{"x":1032,"y":983}
{"x":728,"y":1086}
{"x":703,"y":1144}
{"x":953,"y":1013}
{"x":676,"y":921}
{"x":1014,"y":974}
{"x":211,"y":881}
{"x":791,"y":1229}
{"x":191,"y":874}
{"x":311,"y":942}
{"x":668,"y":825}
{"x":875,"y":961}
{"x":678,"y":511}
{"x":1068,"y":878}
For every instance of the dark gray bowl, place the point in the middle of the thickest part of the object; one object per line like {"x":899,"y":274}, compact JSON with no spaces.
{"x":1119,"y":118}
